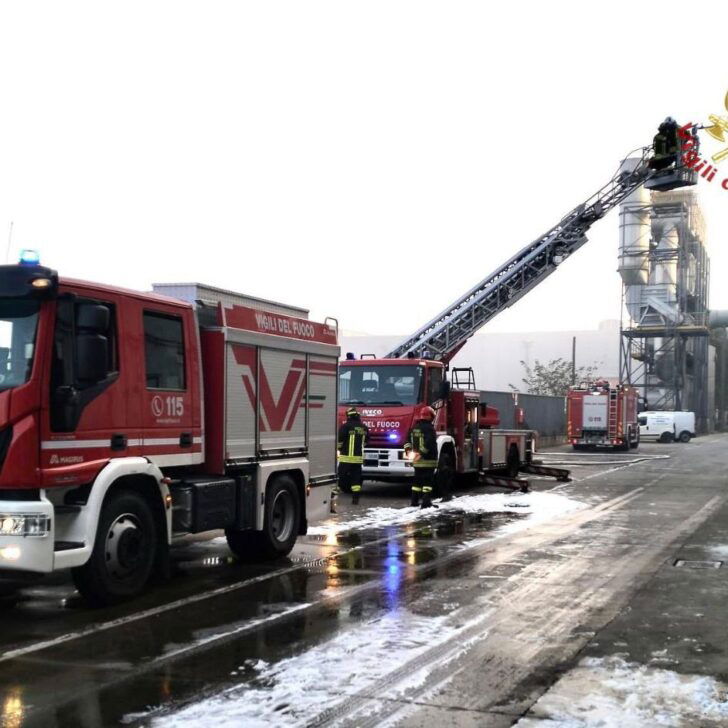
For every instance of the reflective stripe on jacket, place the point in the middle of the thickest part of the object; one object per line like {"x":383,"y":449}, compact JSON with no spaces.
{"x":352,"y":437}
{"x":423,"y":440}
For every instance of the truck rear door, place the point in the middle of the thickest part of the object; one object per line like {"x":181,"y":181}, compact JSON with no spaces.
{"x":595,"y":415}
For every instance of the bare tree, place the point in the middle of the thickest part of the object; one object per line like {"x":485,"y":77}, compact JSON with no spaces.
{"x":552,"y":378}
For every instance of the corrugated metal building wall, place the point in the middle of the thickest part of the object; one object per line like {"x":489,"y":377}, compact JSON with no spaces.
{"x":545,"y":414}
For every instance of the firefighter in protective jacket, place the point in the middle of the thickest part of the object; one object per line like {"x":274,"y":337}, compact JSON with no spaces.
{"x":422,"y":449}
{"x":665,"y":145}
{"x":352,"y":438}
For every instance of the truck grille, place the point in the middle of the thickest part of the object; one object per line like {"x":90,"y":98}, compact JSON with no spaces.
{"x":376,"y":458}
{"x":377,"y":440}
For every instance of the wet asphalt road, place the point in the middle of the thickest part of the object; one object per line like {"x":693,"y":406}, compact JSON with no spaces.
{"x":480,"y":613}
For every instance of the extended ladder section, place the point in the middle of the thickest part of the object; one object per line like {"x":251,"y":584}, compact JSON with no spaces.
{"x":612,"y":427}
{"x":446,"y":334}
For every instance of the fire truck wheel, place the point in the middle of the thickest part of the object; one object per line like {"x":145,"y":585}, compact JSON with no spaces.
{"x":280,"y":527}
{"x":124,"y":552}
{"x":8,"y":599}
{"x":445,"y":479}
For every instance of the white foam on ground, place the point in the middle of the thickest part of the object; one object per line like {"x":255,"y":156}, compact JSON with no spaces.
{"x":537,"y":506}
{"x":718,"y":551}
{"x":611,"y":693}
{"x":294,"y":691}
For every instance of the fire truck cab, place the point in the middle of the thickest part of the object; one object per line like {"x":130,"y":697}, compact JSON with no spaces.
{"x":108,"y":446}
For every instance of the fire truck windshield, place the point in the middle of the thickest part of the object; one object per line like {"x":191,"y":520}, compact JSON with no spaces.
{"x":380,"y":384}
{"x":18,"y":322}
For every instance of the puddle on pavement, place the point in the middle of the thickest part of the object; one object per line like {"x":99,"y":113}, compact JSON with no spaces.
{"x":391,"y":558}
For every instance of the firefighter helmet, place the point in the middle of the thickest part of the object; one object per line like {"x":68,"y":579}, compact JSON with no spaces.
{"x":352,"y":412}
{"x":427,"y":413}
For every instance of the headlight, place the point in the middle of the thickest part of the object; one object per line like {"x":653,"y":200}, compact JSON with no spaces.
{"x":10,"y":553}
{"x":24,"y":524}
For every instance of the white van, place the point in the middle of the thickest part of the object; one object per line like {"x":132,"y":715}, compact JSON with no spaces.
{"x":667,"y":426}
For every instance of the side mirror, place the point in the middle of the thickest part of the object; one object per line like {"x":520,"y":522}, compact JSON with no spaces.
{"x":444,"y":389}
{"x":92,"y":317}
{"x":92,"y":356}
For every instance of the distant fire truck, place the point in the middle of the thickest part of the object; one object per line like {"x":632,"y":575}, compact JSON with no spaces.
{"x":108,"y":446}
{"x":602,"y":415}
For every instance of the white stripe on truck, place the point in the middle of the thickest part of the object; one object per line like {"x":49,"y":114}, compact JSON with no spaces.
{"x":82,"y":444}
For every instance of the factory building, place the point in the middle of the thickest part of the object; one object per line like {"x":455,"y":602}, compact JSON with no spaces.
{"x":672,"y":347}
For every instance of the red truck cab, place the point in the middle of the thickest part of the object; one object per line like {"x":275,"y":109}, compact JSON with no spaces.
{"x":106,"y":448}
{"x":389,"y":394}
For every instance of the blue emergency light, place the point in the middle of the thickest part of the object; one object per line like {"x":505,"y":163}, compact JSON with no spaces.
{"x":29,"y":257}
{"x":392,"y":435}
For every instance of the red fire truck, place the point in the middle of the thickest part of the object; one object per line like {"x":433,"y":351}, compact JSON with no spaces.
{"x":602,"y":415}
{"x":127,"y":418}
{"x":390,"y":392}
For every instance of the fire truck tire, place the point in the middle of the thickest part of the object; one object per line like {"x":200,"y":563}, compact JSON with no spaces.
{"x":124,"y":552}
{"x":634,"y":444}
{"x":445,"y":475}
{"x":9,"y":598}
{"x":280,"y":526}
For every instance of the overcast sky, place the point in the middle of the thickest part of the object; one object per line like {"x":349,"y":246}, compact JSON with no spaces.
{"x":370,"y":160}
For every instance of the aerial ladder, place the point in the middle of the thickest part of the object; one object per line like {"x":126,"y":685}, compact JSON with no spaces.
{"x":442,"y":337}
{"x":469,"y":442}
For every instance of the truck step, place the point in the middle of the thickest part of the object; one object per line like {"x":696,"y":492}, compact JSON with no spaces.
{"x":67,"y":545}
{"x":65,"y":508}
